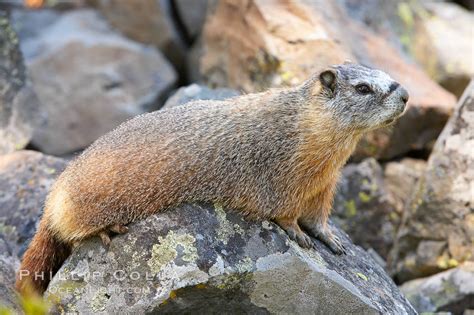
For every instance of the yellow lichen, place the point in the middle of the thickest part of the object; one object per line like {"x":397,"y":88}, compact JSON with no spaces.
{"x":99,"y":301}
{"x":452,"y":263}
{"x":364,"y":197}
{"x":245,"y":265}
{"x":173,"y":294}
{"x":351,"y":209}
{"x":226,"y":229}
{"x":405,"y":14}
{"x":362,"y":276}
{"x":167,"y":250}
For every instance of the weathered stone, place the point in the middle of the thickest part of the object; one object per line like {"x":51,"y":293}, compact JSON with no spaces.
{"x":442,"y":42}
{"x":198,"y":92}
{"x":8,"y":264}
{"x":25,"y":178}
{"x":449,"y":291}
{"x":362,"y":208}
{"x":100,"y":80}
{"x":18,"y":103}
{"x":29,"y":24}
{"x":400,"y":178}
{"x":382,"y":17}
{"x":201,"y":259}
{"x":442,"y":206}
{"x":192,"y":15}
{"x":283,"y":45}
{"x":252,"y":45}
{"x":149,"y":22}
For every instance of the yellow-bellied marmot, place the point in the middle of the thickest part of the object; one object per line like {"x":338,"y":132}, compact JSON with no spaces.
{"x":272,"y":155}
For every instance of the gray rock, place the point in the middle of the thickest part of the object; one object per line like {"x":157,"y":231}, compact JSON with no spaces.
{"x":362,"y":207}
{"x":100,"y":80}
{"x":148,"y":22}
{"x":400,"y":178}
{"x":438,"y":225}
{"x":444,"y":47}
{"x":195,"y":92}
{"x":192,"y":14}
{"x":8,"y":297}
{"x":451,"y":291}
{"x":200,"y":259}
{"x":18,"y":103}
{"x":29,"y":24}
{"x":25,"y":178}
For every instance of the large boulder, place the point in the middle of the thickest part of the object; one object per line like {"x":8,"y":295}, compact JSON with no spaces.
{"x":100,"y":80}
{"x":442,"y":42}
{"x":18,"y":103}
{"x":149,"y":22}
{"x":449,"y":291}
{"x":437,"y":230}
{"x":25,"y":179}
{"x":252,"y":45}
{"x":199,"y":258}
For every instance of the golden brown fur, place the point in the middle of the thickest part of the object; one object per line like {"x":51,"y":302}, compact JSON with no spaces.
{"x":273,"y":155}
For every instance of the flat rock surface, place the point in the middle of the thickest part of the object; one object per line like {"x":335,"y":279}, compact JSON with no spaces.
{"x":199,"y":258}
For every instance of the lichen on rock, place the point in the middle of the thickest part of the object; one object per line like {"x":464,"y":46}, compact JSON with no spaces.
{"x":183,"y":261}
{"x":167,"y":250}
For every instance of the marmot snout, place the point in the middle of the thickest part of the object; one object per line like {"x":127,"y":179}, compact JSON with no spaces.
{"x":273,"y":155}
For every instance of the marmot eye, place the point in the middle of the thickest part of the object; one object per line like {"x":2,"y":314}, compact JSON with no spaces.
{"x":363,"y":88}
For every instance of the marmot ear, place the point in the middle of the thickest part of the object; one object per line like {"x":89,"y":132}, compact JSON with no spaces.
{"x":328,"y":79}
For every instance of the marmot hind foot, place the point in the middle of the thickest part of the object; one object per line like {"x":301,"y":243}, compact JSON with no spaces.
{"x":116,"y":228}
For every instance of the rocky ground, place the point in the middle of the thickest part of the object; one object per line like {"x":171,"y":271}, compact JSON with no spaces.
{"x":72,"y":70}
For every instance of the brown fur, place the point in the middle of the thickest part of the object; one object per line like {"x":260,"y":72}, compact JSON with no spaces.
{"x":43,"y":258}
{"x":273,"y":155}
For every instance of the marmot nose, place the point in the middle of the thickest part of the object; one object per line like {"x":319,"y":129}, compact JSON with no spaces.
{"x":404,"y":95}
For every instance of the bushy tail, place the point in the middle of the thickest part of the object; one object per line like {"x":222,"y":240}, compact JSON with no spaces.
{"x":41,"y":261}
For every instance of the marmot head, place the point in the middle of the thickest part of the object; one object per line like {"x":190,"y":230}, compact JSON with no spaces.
{"x":362,"y":98}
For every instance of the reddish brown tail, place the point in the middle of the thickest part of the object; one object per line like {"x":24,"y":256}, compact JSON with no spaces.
{"x":41,"y":261}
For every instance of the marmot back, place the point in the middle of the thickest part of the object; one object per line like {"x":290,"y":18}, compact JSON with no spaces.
{"x":274,"y":155}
